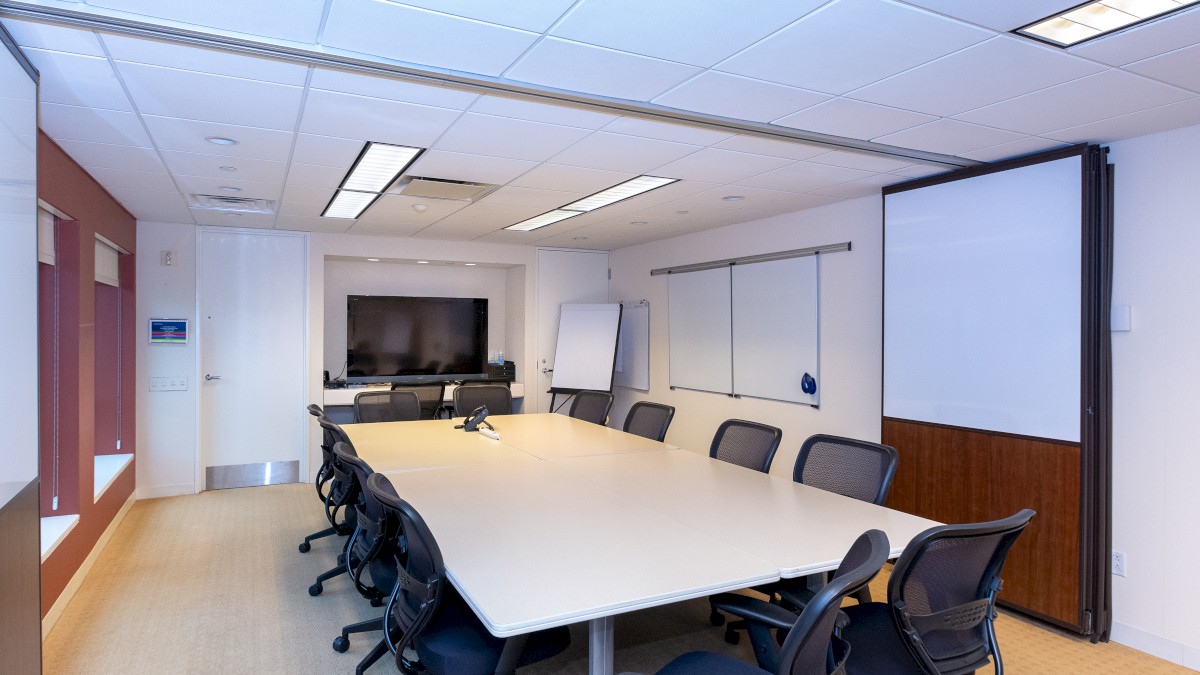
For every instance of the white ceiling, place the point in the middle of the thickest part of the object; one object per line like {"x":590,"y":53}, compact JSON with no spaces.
{"x":939,"y":76}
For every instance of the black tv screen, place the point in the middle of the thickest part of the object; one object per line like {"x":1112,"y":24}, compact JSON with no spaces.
{"x":403,"y":339}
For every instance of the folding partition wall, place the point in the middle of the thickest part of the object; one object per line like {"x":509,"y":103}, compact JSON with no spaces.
{"x":996,"y":366}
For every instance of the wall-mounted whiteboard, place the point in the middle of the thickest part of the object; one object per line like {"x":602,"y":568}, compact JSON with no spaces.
{"x":587,"y":346}
{"x":982,"y":325}
{"x":700,"y":325}
{"x":633,"y":346}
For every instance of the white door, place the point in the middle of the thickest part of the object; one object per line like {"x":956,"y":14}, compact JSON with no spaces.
{"x":563,"y":277}
{"x":253,"y":354}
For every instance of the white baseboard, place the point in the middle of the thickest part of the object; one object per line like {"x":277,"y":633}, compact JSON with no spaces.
{"x":76,"y":581}
{"x":175,"y":490}
{"x":1156,"y":645}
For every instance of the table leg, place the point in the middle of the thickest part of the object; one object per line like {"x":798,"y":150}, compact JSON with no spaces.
{"x":600,"y":646}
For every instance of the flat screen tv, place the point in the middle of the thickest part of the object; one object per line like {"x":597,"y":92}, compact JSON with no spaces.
{"x":404,"y":339}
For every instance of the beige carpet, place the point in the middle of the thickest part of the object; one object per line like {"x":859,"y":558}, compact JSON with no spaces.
{"x":213,"y":583}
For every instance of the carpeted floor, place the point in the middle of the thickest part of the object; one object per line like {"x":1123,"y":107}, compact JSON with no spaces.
{"x":213,"y":583}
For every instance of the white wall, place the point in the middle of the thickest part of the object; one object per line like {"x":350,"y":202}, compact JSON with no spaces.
{"x":1156,"y":368}
{"x":850,"y":315}
{"x":344,"y":278}
{"x":166,"y":420}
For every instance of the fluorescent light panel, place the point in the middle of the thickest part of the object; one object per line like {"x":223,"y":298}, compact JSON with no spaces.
{"x":1094,"y":19}
{"x":377,"y":167}
{"x":630,"y":188}
{"x":349,"y":204}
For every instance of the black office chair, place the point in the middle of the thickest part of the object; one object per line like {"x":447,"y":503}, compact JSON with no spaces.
{"x":496,"y":397}
{"x":812,"y":645}
{"x":941,"y":604}
{"x":345,"y":494}
{"x":649,"y":420}
{"x":386,"y":406}
{"x":591,"y":406}
{"x":426,"y":615}
{"x":747,"y":444}
{"x":432,"y":397}
{"x":322,"y":481}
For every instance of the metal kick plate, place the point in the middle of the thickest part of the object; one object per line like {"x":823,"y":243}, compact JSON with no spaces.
{"x":247,"y":475}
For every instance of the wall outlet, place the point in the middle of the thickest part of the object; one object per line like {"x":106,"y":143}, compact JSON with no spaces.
{"x":173,"y":383}
{"x":1118,"y":563}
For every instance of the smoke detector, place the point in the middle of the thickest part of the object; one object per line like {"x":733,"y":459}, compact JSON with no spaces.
{"x":232,"y":204}
{"x":441,"y":188}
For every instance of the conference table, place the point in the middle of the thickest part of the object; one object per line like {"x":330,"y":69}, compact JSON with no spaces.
{"x":562,"y":521}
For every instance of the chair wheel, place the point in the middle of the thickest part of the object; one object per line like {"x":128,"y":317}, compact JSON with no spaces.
{"x":305,"y":547}
{"x":315,"y":589}
{"x":731,"y":636}
{"x":377,"y":602}
{"x":716,"y":618}
{"x":341,"y":643}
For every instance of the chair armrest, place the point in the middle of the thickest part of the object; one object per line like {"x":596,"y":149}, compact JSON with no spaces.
{"x":753,"y":609}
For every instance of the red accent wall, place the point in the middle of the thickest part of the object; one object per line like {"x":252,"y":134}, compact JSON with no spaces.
{"x":68,"y":188}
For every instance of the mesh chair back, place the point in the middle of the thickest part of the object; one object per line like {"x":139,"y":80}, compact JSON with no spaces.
{"x":343,"y":490}
{"x":371,"y":522}
{"x":747,"y":444}
{"x":591,"y":406}
{"x":431,"y":397}
{"x":807,"y":646}
{"x":942,"y":592}
{"x":849,"y":467}
{"x":649,"y":420}
{"x":325,"y":472}
{"x":387,"y":406}
{"x":496,"y":397}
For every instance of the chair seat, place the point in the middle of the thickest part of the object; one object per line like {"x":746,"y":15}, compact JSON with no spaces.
{"x":709,"y":663}
{"x":456,"y":643}
{"x":875,"y":646}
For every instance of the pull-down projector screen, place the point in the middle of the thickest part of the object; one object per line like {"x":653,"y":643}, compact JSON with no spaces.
{"x":982,"y":301}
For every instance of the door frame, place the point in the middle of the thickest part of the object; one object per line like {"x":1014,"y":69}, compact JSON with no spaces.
{"x":197,"y":332}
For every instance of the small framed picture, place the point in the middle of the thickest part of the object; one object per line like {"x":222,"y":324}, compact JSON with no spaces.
{"x":169,"y":331}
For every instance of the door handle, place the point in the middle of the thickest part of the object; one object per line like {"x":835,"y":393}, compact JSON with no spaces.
{"x":210,"y":376}
{"x":547,"y":371}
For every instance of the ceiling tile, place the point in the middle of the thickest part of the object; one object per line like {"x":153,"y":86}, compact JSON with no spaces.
{"x":209,"y":166}
{"x":371,"y":119}
{"x":113,"y":156}
{"x":212,"y":186}
{"x":470,"y":168}
{"x":698,"y":32}
{"x":720,"y":166}
{"x":74,"y":123}
{"x":228,"y":219}
{"x":57,"y":38}
{"x":871,"y":185}
{"x":478,"y":219}
{"x":804,"y":177}
{"x":189,"y":95}
{"x":73,"y":79}
{"x":860,"y":160}
{"x":1154,"y":120}
{"x":739,"y":97}
{"x":399,"y":208}
{"x":152,"y":205}
{"x":1142,"y":42}
{"x":1180,"y":68}
{"x":1025,"y":146}
{"x":532,"y":16}
{"x":283,"y":19}
{"x":986,"y":73}
{"x":949,"y":137}
{"x":316,"y":176}
{"x":571,"y":178}
{"x":156,"y":53}
{"x":853,"y":119}
{"x":1090,"y":99}
{"x":188,"y":136}
{"x":920,"y":171}
{"x":595,"y":70}
{"x":392,"y":90}
{"x":419,"y":36}
{"x":504,"y":137}
{"x":143,"y":180}
{"x":313,"y":224}
{"x":306,"y":194}
{"x":302,"y":209}
{"x":752,"y":198}
{"x":1001,"y":16}
{"x":763,"y":146}
{"x":665,"y":131}
{"x":888,"y":38}
{"x":386,"y":228}
{"x":540,"y":112}
{"x":541,"y":200}
{"x":617,"y":152}
{"x":326,"y":150}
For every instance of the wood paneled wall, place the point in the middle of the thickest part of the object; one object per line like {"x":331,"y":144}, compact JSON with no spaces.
{"x":20,"y":612}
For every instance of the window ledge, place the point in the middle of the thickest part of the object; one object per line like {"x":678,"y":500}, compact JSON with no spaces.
{"x":54,"y":530}
{"x":108,"y":467}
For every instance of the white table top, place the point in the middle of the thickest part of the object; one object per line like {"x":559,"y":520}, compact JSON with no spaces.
{"x":428,"y":444}
{"x":555,"y":436}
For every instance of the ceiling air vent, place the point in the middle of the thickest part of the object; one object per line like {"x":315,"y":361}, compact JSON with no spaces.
{"x":440,"y":188}
{"x":232,"y":204}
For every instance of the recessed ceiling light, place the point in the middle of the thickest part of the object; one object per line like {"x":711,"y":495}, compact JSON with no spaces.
{"x":1094,"y":19}
{"x":733,"y":198}
{"x":230,"y":188}
{"x":637,"y":222}
{"x":470,"y":264}
{"x":616,"y":193}
{"x":419,"y":208}
{"x":543,"y":220}
{"x":681,"y":213}
{"x":349,"y":204}
{"x":220,"y":140}
{"x":228,"y":168}
{"x":422,"y":262}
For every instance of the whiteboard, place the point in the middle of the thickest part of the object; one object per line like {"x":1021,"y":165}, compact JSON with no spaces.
{"x":587,"y":346}
{"x":982,"y":296}
{"x":776,"y":329}
{"x":633,"y":346}
{"x":699,"y":321}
